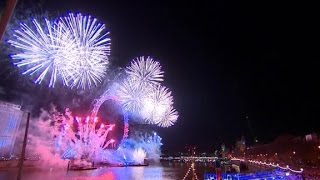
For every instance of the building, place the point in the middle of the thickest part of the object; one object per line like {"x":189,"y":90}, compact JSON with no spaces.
{"x":10,"y":119}
{"x":291,"y":150}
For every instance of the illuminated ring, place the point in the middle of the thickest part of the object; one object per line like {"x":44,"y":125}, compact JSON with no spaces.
{"x":105,"y":97}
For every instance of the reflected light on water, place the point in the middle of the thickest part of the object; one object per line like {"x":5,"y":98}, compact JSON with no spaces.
{"x":137,"y":173}
{"x":152,"y":172}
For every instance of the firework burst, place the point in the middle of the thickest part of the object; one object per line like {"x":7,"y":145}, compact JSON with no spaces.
{"x":139,"y":155}
{"x":158,"y":108}
{"x":155,"y":105}
{"x":44,"y":51}
{"x":132,"y":94}
{"x":169,"y":117}
{"x":142,"y":94}
{"x":74,"y":48}
{"x":83,"y":138}
{"x":93,"y":48}
{"x":145,"y":70}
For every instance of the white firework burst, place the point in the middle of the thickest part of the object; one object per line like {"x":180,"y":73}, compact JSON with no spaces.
{"x":145,"y":70}
{"x":74,"y":48}
{"x":142,"y":94}
{"x":169,"y":117}
{"x":44,"y":51}
{"x":132,"y":94}
{"x":155,"y":105}
{"x":93,"y":48}
{"x":139,"y":155}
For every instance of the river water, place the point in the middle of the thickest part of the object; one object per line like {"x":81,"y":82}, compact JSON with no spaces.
{"x":164,"y":170}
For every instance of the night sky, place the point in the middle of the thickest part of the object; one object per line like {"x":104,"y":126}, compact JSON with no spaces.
{"x":223,"y":61}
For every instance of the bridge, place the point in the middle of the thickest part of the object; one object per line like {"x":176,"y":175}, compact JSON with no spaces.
{"x":190,"y":158}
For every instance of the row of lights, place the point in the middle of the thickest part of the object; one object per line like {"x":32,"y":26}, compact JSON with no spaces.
{"x":271,"y":164}
{"x":293,"y":152}
{"x":195,"y":177}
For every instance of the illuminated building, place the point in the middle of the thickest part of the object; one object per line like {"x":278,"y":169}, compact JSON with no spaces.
{"x":10,"y":118}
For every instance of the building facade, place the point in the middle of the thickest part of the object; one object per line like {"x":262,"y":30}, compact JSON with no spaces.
{"x":10,"y":119}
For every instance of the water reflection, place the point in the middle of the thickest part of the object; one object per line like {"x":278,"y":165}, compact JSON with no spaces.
{"x":166,"y":171}
{"x":119,"y":173}
{"x":137,"y":173}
